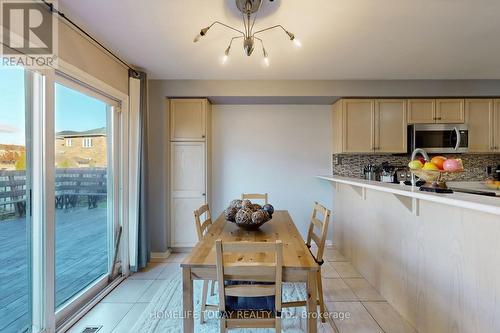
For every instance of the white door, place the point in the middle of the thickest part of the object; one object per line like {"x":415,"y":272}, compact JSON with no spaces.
{"x":188,"y":183}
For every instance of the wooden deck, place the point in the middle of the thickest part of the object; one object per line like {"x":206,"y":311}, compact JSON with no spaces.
{"x":81,"y":257}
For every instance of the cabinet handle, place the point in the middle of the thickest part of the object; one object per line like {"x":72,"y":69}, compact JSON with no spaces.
{"x":204,"y":194}
{"x":203,"y":136}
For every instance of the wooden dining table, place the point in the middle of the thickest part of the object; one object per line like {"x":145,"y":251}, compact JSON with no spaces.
{"x":298,"y":263}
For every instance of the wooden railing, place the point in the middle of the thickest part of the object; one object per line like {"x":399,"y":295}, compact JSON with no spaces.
{"x":71,"y":186}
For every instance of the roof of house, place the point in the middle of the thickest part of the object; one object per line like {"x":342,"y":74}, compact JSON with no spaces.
{"x":74,"y":134}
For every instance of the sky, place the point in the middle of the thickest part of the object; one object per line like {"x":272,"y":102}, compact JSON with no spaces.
{"x":74,"y":110}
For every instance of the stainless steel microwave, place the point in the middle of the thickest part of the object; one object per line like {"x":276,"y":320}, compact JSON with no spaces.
{"x":439,"y":138}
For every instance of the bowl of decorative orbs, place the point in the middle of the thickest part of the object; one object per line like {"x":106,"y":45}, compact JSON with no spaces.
{"x":247,"y":215}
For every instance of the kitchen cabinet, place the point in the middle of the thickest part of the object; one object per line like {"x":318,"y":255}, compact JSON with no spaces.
{"x":390,"y":126}
{"x":353,"y":121}
{"x":188,"y":190}
{"x":436,"y":111}
{"x":479,"y":115}
{"x":496,"y":127}
{"x":188,"y":119}
{"x":369,"y":126}
{"x":190,"y":166}
{"x":450,"y":111}
{"x":421,"y":111}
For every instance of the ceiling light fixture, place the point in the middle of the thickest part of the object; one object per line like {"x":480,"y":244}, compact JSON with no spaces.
{"x":249,"y":36}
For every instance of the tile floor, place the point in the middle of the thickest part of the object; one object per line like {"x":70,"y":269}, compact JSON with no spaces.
{"x":345,"y":291}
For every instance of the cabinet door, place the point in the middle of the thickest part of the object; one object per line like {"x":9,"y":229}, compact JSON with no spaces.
{"x":496,"y":127}
{"x":188,"y":190}
{"x":358,"y":125}
{"x":188,"y":119}
{"x":421,"y":111}
{"x":479,"y":118}
{"x":450,"y":111}
{"x":390,"y":126}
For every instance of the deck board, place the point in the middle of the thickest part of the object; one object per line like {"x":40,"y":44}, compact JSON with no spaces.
{"x":81,"y":255}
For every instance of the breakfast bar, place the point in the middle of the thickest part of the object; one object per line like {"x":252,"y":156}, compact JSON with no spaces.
{"x":434,"y":257}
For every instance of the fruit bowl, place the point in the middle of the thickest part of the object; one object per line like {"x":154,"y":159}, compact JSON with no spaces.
{"x":435,"y":175}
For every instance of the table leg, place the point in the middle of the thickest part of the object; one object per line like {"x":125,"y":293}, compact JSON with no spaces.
{"x":312,"y":303}
{"x":187,"y":300}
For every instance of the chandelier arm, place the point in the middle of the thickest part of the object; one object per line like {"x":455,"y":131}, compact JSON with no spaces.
{"x":270,"y":28}
{"x":227,"y":26}
{"x":261,"y":41}
{"x":232,"y":39}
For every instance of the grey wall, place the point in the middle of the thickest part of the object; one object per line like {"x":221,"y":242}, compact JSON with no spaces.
{"x":271,"y":92}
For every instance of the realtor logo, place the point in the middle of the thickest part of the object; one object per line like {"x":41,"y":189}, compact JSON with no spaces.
{"x":29,"y":30}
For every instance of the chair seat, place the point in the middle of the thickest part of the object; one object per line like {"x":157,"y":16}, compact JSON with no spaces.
{"x":264,"y":303}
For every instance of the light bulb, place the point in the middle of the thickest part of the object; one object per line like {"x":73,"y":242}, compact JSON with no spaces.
{"x":225,"y":58}
{"x":266,"y":61}
{"x":297,"y":43}
{"x":197,"y":38}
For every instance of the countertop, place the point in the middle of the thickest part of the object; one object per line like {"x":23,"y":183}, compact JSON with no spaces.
{"x":462,"y":200}
{"x":476,"y":186}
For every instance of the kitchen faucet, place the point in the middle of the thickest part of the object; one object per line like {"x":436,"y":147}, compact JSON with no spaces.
{"x":413,"y":155}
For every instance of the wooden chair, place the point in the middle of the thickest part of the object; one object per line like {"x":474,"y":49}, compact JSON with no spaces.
{"x":257,"y":196}
{"x":201,"y":230}
{"x":249,"y":271}
{"x":319,"y":240}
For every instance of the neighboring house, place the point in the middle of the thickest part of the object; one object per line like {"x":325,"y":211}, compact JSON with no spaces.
{"x":81,"y":149}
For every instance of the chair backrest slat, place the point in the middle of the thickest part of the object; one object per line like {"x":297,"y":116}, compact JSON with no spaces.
{"x":322,"y":225}
{"x":249,"y":270}
{"x":253,"y":196}
{"x":202,"y":227}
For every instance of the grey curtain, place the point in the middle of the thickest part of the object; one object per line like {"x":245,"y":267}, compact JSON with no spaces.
{"x":144,"y":247}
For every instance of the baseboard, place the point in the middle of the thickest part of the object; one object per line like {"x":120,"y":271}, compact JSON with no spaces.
{"x":160,"y":256}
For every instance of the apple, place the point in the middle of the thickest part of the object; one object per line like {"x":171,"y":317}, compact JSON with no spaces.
{"x":438,"y":161}
{"x":430,"y":166}
{"x":415,"y":165}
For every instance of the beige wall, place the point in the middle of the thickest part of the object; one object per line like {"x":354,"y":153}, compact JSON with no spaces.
{"x":274,"y":149}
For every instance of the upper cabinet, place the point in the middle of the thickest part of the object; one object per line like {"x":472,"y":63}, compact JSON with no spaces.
{"x":421,"y":111}
{"x":357,"y":125}
{"x":450,"y":111}
{"x":496,"y":126}
{"x":390,"y":126}
{"x":188,"y":119}
{"x":479,"y":114}
{"x":369,"y":126}
{"x":436,"y":111}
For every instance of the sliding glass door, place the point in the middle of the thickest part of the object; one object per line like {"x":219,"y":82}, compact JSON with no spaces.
{"x":15,"y":222}
{"x":84,"y":197}
{"x":59,"y":196}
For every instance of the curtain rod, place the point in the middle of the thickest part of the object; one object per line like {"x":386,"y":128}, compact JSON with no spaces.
{"x":61,"y":14}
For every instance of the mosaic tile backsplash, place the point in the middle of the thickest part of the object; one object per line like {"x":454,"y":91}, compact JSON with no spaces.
{"x":352,"y":165}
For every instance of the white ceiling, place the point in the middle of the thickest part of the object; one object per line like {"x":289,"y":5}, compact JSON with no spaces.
{"x":342,"y":39}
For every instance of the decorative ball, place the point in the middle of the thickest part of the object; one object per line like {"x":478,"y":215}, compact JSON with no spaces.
{"x":230,"y":214}
{"x":256,"y":207}
{"x":246,"y":204}
{"x":235,"y":204}
{"x":259,"y":217}
{"x":244,"y":216}
{"x":269,"y":209}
